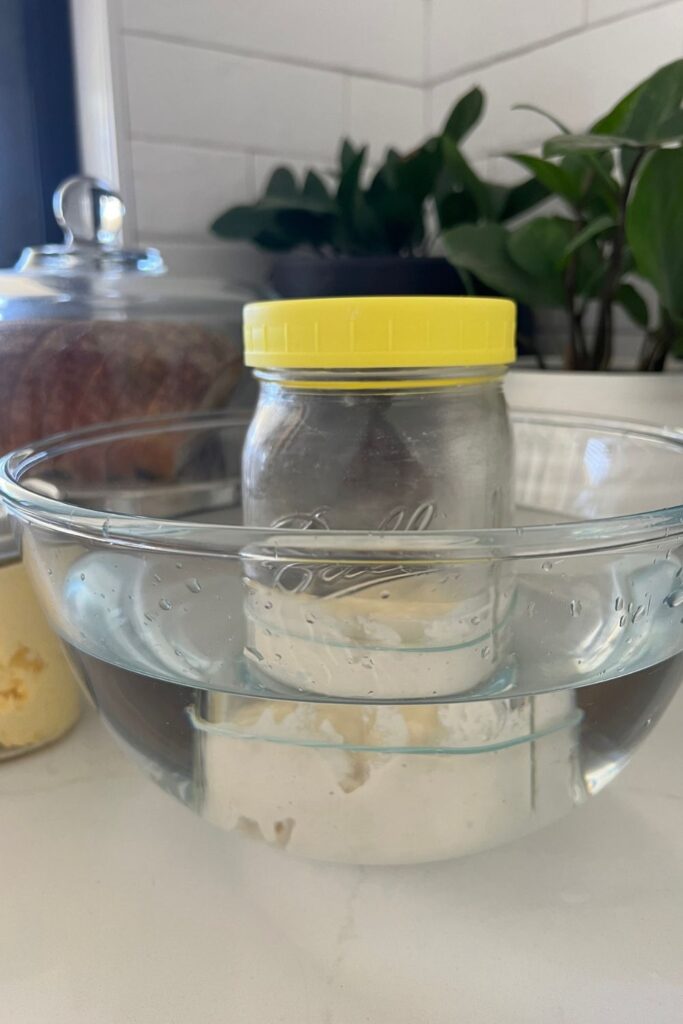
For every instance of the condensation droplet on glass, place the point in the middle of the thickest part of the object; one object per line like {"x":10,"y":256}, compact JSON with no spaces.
{"x":622,"y":621}
{"x":575,"y":608}
{"x":531,"y":609}
{"x":674,"y":599}
{"x":367,"y":662}
{"x":475,"y":620}
{"x":179,"y":565}
{"x":156,"y":578}
{"x":619,"y":604}
{"x":267,"y":605}
{"x":165,"y":604}
{"x":83,"y":576}
{"x":485,"y":651}
{"x":105,"y":528}
{"x":278,"y":657}
{"x":193,"y":585}
{"x":310,"y":618}
{"x":149,"y":617}
{"x":638,"y":613}
{"x":630,"y":607}
{"x":49,"y":572}
{"x":547,"y":566}
{"x":385,"y":594}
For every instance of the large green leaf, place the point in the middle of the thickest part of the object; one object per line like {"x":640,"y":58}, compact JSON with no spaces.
{"x":600,"y":191}
{"x":655,"y":102}
{"x":255,"y":224}
{"x":398,"y":219}
{"x":456,"y":208}
{"x":523,"y":197}
{"x":315,"y":189}
{"x":613,"y":122}
{"x":243,"y":222}
{"x":634,"y":304}
{"x":553,"y":177}
{"x":592,"y":230}
{"x":464,"y":178}
{"x":671,"y":128}
{"x":649,"y":115}
{"x":347,"y":154}
{"x":282,"y":184}
{"x":415,"y":173}
{"x":654,"y":226}
{"x":482,"y":249}
{"x":464,"y":115}
{"x":558,"y":145}
{"x":645,"y":107}
{"x":538,"y":247}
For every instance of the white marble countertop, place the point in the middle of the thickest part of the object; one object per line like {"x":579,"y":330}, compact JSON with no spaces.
{"x":118,"y":907}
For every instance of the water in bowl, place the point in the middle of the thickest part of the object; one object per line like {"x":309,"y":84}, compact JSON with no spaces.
{"x":370,"y":783}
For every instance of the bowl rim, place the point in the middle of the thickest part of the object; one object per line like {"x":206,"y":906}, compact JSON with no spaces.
{"x":124,"y":530}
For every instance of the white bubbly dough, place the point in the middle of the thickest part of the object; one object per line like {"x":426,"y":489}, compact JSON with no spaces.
{"x":420,"y":636}
{"x":304,"y":790}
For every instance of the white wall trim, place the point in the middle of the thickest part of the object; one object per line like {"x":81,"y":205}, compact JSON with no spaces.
{"x":101,"y":98}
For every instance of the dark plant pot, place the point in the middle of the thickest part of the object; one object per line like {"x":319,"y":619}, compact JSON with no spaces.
{"x":294,"y":276}
{"x":300,"y":277}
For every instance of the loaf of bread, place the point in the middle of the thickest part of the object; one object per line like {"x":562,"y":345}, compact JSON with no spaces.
{"x":62,"y":375}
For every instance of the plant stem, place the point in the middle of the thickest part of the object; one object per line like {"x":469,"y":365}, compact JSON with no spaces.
{"x":602,"y":350}
{"x":656,"y":345}
{"x":575,"y":354}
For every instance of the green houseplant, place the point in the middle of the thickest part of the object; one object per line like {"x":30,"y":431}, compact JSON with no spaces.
{"x":356,"y":232}
{"x":619,"y":235}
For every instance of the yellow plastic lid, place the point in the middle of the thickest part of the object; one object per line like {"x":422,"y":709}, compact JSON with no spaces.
{"x":379,"y":332}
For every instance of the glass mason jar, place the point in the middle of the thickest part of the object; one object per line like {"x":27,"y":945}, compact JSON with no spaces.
{"x":383,"y":415}
{"x":379,"y":414}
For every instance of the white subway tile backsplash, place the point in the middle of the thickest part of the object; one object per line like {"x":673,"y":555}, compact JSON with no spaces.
{"x":182,"y":93}
{"x":468,"y":33}
{"x":384,"y":114}
{"x":239,"y":265}
{"x":381,"y":37}
{"x":179,"y":190}
{"x":577,"y":78}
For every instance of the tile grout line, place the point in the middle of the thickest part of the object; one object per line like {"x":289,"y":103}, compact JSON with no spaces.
{"x":149,"y":138}
{"x":346,"y":104}
{"x":247,"y":54}
{"x":426,"y":67}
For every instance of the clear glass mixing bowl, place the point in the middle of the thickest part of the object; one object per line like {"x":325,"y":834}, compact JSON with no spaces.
{"x":366,"y":697}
